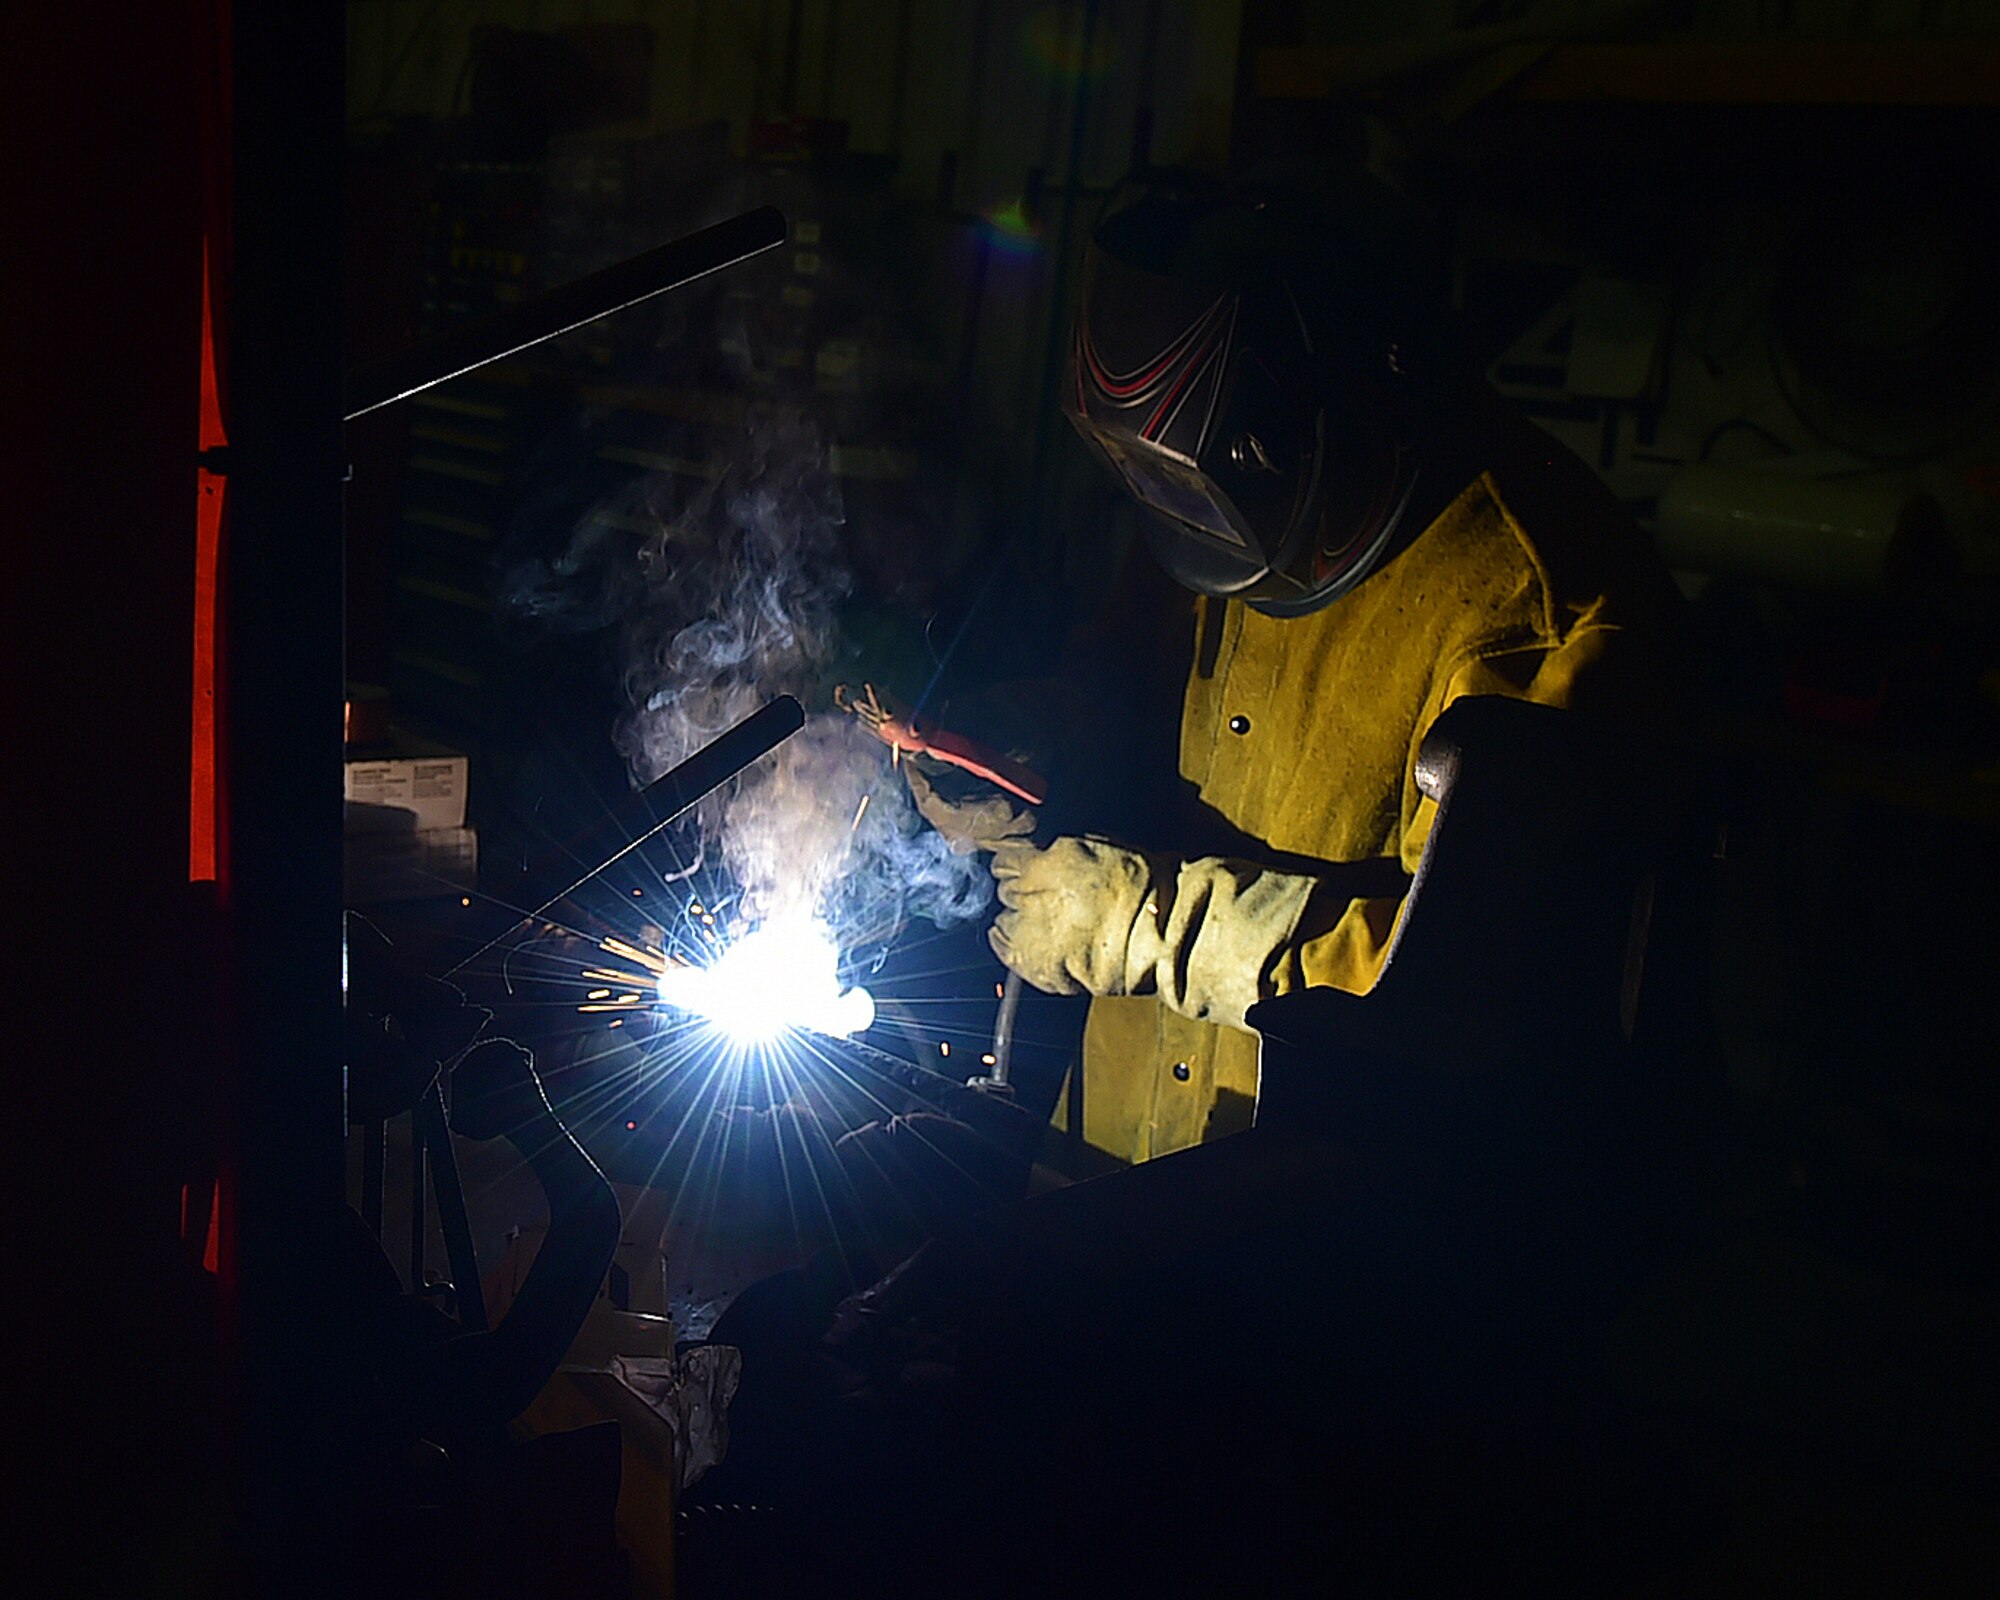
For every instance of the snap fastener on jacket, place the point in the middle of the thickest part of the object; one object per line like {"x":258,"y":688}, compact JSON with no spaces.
{"x":1181,"y":1071}
{"x":1239,"y":723}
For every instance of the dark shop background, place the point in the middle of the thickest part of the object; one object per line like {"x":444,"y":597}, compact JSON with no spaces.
{"x":1740,"y":259}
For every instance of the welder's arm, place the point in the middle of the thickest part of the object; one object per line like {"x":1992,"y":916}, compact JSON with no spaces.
{"x":1344,"y":943}
{"x":1089,"y":916}
{"x":481,"y":1382}
{"x":1212,"y":937}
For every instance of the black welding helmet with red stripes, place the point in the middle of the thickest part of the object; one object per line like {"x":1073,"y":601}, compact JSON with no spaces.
{"x":1247,"y":379}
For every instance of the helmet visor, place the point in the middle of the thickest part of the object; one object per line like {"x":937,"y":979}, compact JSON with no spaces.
{"x":1169,"y":486}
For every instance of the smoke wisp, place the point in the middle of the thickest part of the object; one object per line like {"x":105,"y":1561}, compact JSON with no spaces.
{"x":723,"y":598}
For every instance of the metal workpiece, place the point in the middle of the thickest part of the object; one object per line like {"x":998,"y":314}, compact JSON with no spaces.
{"x":649,"y":812}
{"x":668,"y":797}
{"x":559,"y":311}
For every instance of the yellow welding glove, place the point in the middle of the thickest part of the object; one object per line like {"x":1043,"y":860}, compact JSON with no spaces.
{"x":1089,"y":916}
{"x":984,"y":823}
{"x":1068,"y":912}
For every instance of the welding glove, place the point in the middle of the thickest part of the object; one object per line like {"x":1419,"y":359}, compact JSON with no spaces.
{"x":967,"y":825}
{"x":1086,"y":916}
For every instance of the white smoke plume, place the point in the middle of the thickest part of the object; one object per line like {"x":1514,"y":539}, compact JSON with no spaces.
{"x":733,"y":597}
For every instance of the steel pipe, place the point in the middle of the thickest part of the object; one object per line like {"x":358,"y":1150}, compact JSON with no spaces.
{"x":453,"y":354}
{"x":658,"y":805}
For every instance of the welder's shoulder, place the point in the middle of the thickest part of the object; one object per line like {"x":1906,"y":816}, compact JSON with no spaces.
{"x":1556,"y":550}
{"x":1586,"y":592}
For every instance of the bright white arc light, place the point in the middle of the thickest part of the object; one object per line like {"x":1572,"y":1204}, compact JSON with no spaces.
{"x":778,"y":976}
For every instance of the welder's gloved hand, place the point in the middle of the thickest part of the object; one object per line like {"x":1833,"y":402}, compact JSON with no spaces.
{"x":1068,"y":913}
{"x":1086,"y":916}
{"x":984,"y":822}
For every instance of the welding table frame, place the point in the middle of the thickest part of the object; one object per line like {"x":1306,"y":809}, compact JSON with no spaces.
{"x":547,"y":883}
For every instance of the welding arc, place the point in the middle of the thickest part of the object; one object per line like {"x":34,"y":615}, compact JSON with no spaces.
{"x":560,"y":310}
{"x":669,"y":795}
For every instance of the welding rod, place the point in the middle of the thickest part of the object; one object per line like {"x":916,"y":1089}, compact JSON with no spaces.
{"x":668,"y":796}
{"x":452,"y":354}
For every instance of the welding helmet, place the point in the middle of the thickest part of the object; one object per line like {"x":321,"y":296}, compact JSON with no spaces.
{"x":1244,"y":364}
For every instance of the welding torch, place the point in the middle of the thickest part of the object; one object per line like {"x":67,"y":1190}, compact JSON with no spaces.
{"x":906,"y":733}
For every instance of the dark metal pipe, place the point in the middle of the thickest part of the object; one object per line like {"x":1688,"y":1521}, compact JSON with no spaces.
{"x":419,"y":1220}
{"x":468,"y":1295}
{"x":1003,"y":1030}
{"x":374,"y":1173}
{"x":656,"y":806}
{"x":599,"y":294}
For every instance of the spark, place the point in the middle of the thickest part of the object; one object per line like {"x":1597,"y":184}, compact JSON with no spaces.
{"x":944,"y":1048}
{"x":780,"y":976}
{"x":598,"y":994}
{"x":859,"y":812}
{"x":653,"y":960}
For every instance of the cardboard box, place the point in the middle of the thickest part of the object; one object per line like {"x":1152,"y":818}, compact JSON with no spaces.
{"x":406,"y":786}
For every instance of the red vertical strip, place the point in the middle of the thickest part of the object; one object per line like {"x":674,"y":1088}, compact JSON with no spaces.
{"x":210,"y":490}
{"x":208,"y":827}
{"x":211,"y":1251}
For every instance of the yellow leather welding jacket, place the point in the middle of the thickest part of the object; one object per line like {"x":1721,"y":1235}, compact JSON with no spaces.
{"x":1303,"y":732}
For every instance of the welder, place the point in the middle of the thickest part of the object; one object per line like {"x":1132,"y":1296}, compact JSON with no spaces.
{"x":1372,"y":535}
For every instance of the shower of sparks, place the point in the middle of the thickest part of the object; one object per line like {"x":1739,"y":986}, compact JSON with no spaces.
{"x":654,"y":961}
{"x":716,"y":1045}
{"x":777,"y":977}
{"x":621,"y":980}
